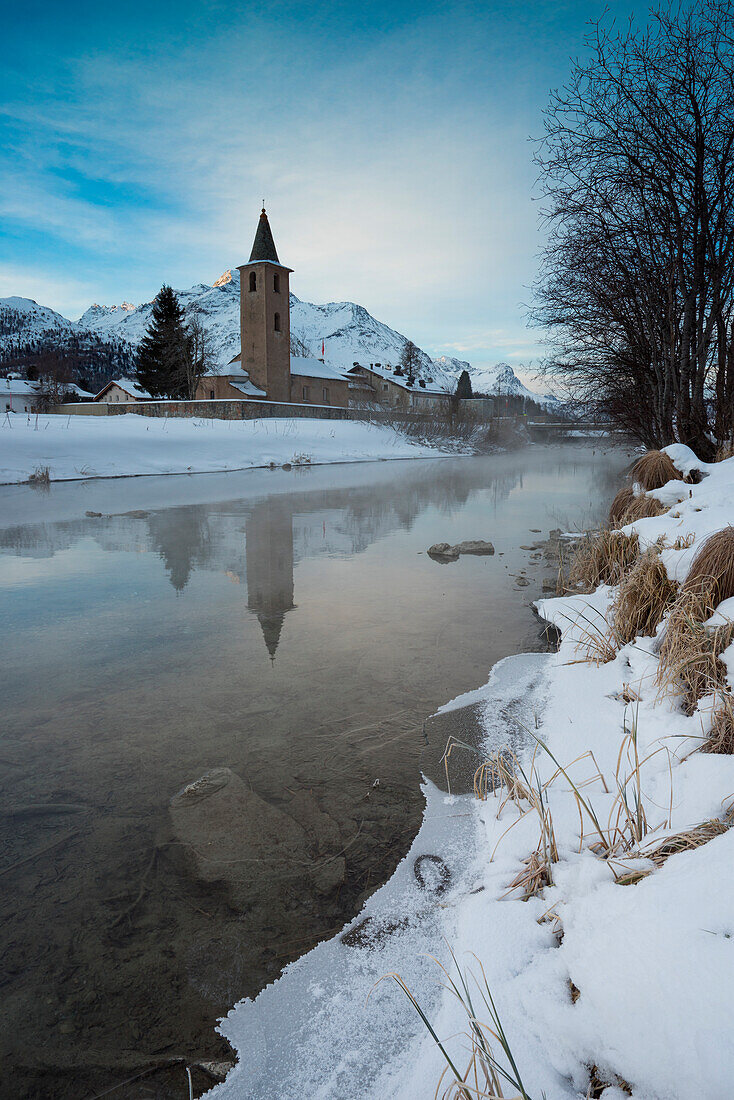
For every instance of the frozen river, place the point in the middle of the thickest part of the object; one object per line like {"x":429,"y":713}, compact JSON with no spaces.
{"x":285,"y":625}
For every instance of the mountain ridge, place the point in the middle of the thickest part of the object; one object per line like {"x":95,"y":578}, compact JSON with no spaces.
{"x":349,"y":332}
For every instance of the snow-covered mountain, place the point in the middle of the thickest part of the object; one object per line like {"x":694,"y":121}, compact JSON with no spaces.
{"x":350,"y":334}
{"x":34,"y":335}
{"x":22,"y":319}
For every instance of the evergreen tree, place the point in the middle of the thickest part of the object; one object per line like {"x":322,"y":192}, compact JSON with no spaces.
{"x":161,"y":366}
{"x":463,"y":386}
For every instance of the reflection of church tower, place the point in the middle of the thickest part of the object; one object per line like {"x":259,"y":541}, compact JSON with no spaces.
{"x":269,"y":555}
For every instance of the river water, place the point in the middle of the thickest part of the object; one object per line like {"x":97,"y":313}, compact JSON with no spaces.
{"x":285,"y":625}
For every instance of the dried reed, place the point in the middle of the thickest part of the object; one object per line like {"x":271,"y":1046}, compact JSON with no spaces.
{"x":40,"y":476}
{"x":711,"y":575}
{"x":602,"y":558}
{"x":620,"y":504}
{"x":689,"y":653}
{"x":653,"y":470}
{"x":643,"y":597}
{"x":721,"y":735}
{"x":504,"y":772}
{"x":485,"y":1077}
{"x":643,"y":507}
{"x":687,"y":841}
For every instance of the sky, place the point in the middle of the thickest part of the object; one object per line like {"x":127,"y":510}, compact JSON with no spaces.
{"x":392,"y":144}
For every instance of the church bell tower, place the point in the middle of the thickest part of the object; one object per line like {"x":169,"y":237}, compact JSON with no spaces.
{"x":265,"y":322}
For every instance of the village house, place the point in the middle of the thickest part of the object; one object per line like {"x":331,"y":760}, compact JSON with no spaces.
{"x":382,"y":384}
{"x":123,"y":390}
{"x":19,"y":395}
{"x":265,"y":368}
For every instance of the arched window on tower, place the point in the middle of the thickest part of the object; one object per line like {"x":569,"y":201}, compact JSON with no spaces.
{"x":276,"y":283}
{"x":253,"y":280}
{"x":276,"y":323}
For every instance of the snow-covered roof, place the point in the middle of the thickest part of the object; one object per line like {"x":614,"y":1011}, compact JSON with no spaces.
{"x":401,"y":380}
{"x":315,"y":368}
{"x":130,"y":387}
{"x":71,"y":387}
{"x":18,"y":385}
{"x":248,"y":387}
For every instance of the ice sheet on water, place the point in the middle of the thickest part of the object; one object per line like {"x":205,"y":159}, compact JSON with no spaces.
{"x":325,"y":1029}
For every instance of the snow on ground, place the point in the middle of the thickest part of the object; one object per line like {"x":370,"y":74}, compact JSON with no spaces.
{"x":126,"y":445}
{"x":632,"y":979}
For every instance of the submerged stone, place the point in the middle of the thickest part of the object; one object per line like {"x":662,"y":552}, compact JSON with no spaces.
{"x":228,"y":834}
{"x":231,"y":836}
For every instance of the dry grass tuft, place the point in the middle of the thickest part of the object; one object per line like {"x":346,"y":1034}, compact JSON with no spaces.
{"x":643,"y":507}
{"x":643,"y":598}
{"x":711,"y":575}
{"x":620,"y":504}
{"x":603,"y":558}
{"x":484,"y":1078}
{"x":687,"y":841}
{"x":689,"y":654}
{"x":724,"y":451}
{"x":533,"y":877}
{"x":599,"y":1082}
{"x":40,"y":476}
{"x":628,"y":507}
{"x":596,"y":644}
{"x":721,"y":736}
{"x":654,"y":469}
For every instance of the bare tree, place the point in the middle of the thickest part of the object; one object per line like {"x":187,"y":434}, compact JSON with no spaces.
{"x":298,"y":347}
{"x":53,"y":384}
{"x":410,"y":360}
{"x":196,"y":354}
{"x":637,"y":169}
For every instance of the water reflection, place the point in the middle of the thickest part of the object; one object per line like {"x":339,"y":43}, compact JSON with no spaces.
{"x":308,"y":639}
{"x":269,"y":558}
{"x":278,"y":531}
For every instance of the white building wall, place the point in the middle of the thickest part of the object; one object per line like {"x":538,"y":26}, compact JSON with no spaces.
{"x":18,"y":402}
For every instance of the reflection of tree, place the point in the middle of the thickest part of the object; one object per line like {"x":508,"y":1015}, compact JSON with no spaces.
{"x":183,"y":539}
{"x":286,"y":527}
{"x":269,"y":555}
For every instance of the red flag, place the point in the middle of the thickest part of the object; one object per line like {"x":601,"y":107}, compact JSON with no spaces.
{"x":322,"y":349}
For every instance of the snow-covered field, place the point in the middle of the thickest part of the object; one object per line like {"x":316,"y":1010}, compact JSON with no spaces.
{"x":631,"y":980}
{"x":122,"y":446}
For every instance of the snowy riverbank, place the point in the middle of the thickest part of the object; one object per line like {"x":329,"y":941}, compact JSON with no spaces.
{"x":615,"y":971}
{"x":123,"y":446}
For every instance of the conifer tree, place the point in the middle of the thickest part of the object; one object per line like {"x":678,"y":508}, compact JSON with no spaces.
{"x":463,"y":386}
{"x":161,"y":358}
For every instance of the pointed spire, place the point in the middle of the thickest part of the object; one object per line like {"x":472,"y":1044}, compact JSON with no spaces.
{"x":263,"y":247}
{"x":271,"y":628}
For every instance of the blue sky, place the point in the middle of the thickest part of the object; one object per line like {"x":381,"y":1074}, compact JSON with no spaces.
{"x":389,"y":140}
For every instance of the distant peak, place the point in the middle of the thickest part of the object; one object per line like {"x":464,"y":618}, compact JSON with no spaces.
{"x":223,"y":279}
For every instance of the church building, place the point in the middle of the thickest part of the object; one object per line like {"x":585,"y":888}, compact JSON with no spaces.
{"x":265,"y":369}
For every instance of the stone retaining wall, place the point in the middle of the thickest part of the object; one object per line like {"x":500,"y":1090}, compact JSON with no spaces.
{"x":218,"y":409}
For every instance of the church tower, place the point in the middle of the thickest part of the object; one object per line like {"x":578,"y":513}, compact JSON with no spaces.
{"x":265,"y":321}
